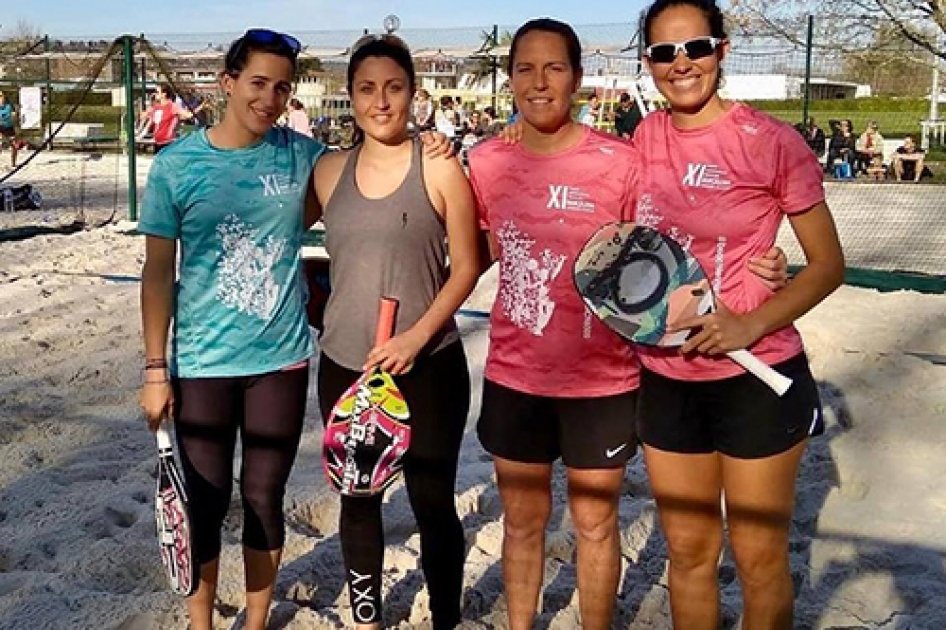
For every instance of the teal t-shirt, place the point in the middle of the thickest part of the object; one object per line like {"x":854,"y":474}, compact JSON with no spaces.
{"x":238,"y":215}
{"x":6,"y":115}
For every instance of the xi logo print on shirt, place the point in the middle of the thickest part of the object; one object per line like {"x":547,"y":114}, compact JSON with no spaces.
{"x":276,"y":184}
{"x":524,"y":280}
{"x":706,"y":176}
{"x":569,"y":198}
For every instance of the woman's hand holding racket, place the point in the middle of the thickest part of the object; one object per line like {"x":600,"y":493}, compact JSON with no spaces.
{"x":396,"y":355}
{"x":157,"y":401}
{"x":719,"y":332}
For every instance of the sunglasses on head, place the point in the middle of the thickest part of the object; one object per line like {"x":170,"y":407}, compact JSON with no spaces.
{"x":696,"y":48}
{"x":387,"y":38}
{"x":264,"y":37}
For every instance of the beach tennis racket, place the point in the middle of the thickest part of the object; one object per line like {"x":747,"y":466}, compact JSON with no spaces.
{"x":173,"y":520}
{"x":640,"y":283}
{"x":367,"y":433}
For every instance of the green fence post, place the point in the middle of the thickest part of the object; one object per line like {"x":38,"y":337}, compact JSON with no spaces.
{"x":144,"y":80}
{"x":809,"y":43}
{"x":128,"y":78}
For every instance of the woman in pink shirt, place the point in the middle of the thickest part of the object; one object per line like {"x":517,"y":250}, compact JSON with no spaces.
{"x":298,"y":118}
{"x":719,"y":177}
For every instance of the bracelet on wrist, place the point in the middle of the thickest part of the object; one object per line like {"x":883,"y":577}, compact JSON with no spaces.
{"x":155,"y":363}
{"x":158,"y":382}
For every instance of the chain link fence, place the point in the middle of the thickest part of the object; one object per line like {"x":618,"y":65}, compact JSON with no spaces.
{"x":832,"y":94}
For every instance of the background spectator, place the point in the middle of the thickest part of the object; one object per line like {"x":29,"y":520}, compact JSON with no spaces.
{"x":814,"y":137}
{"x":8,"y":128}
{"x":490,"y":122}
{"x":298,"y":119}
{"x":588,"y":114}
{"x":422,"y":110}
{"x":842,"y":147}
{"x":163,"y":117}
{"x":626,"y":117}
{"x":870,"y":147}
{"x":445,"y":119}
{"x":908,"y":160}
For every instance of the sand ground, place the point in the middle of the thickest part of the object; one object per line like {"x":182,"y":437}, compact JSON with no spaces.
{"x":77,"y":545}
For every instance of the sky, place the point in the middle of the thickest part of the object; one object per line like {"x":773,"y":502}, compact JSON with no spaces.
{"x":109,"y":18}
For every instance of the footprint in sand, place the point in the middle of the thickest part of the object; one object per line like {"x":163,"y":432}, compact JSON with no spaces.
{"x":111,"y":523}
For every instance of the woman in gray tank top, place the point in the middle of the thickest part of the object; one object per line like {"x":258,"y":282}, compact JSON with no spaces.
{"x":393,"y":216}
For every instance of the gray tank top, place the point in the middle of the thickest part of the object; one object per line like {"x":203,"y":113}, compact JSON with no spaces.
{"x":391,"y":247}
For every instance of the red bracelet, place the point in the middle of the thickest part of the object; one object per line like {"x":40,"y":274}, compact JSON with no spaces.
{"x":155,"y":363}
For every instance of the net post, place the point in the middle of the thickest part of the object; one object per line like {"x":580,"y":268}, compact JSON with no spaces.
{"x":809,"y":43}
{"x":128,"y":79}
{"x":493,"y":66}
{"x":49,"y":89}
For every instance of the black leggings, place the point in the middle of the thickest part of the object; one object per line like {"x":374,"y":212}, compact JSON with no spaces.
{"x":268,"y":411}
{"x":437,"y":390}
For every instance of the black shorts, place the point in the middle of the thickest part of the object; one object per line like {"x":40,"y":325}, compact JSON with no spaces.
{"x":7,"y":132}
{"x":737,"y":416}
{"x":590,"y":433}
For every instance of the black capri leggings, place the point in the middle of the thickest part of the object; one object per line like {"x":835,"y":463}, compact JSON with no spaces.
{"x":268,"y":412}
{"x":437,"y":389}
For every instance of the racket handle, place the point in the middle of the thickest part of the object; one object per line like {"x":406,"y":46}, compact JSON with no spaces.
{"x":779,"y":383}
{"x":163,"y":437}
{"x":387,"y":315}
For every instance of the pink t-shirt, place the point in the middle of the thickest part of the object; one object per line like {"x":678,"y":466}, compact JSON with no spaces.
{"x":722,"y":191}
{"x":541,"y":209}
{"x":299,"y":121}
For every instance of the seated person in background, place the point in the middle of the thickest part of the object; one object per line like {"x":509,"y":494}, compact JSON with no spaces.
{"x":490,"y":122}
{"x":870,"y":147}
{"x":814,"y":137}
{"x":842,"y":147}
{"x":908,"y":160}
{"x":628,"y":116}
{"x":588,"y":114}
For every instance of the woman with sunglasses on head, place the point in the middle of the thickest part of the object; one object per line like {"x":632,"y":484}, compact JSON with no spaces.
{"x":720,"y":176}
{"x":232,"y":196}
{"x":238,"y":198}
{"x":392,"y":218}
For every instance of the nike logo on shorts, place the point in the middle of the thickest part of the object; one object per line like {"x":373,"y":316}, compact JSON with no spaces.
{"x":611,"y":452}
{"x":815,"y":419}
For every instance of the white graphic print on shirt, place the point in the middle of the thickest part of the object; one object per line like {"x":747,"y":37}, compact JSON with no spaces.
{"x":246,"y":269}
{"x":524,"y":280}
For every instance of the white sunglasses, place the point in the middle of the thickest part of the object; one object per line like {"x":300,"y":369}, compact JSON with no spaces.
{"x":696,"y":48}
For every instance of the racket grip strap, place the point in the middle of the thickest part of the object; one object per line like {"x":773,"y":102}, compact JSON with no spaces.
{"x":778,"y":383}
